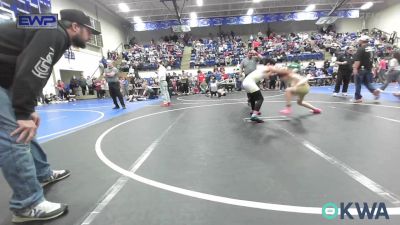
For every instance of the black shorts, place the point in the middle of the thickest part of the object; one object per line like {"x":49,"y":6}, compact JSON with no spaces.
{"x":255,"y":96}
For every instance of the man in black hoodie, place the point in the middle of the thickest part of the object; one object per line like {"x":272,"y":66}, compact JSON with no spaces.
{"x":27,"y":58}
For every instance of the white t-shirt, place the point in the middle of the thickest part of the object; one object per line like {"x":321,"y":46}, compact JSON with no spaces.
{"x":213,"y":86}
{"x":162,"y":73}
{"x":250,"y":82}
{"x":257,"y":75}
{"x":394,"y":64}
{"x":131,"y":70}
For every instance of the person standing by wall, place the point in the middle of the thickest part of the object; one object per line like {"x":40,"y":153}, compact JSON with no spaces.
{"x":83,"y":84}
{"x":185,"y":83}
{"x":111,"y":75}
{"x":74,"y":85}
{"x":238,"y":79}
{"x":125,"y":86}
{"x":26,"y":63}
{"x":60,"y":88}
{"x":89,"y":83}
{"x":97,"y":87}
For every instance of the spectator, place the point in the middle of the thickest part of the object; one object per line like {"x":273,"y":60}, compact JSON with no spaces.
{"x":200,"y":77}
{"x":73,"y":85}
{"x":125,"y":86}
{"x":272,"y":82}
{"x":90,"y":85}
{"x":382,"y":69}
{"x":295,"y":66}
{"x":213,"y":87}
{"x":148,"y":91}
{"x":97,"y":88}
{"x":238,"y":79}
{"x":393,"y":72}
{"x":83,"y":84}
{"x":311,"y":68}
{"x":60,"y":88}
{"x":185,"y":84}
{"x":203,"y":87}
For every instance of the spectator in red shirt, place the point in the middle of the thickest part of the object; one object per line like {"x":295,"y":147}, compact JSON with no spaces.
{"x":60,"y":87}
{"x":97,"y":87}
{"x":224,"y":75}
{"x":382,"y":68}
{"x":256,"y":44}
{"x":200,"y":77}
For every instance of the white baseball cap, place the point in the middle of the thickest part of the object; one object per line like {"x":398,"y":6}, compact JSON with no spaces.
{"x":363,"y":38}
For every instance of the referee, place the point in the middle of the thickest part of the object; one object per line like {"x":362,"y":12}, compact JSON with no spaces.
{"x":111,"y":75}
{"x":162,"y":77}
{"x":345,"y":62}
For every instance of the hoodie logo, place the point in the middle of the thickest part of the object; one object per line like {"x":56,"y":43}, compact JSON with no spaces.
{"x":43,"y":66}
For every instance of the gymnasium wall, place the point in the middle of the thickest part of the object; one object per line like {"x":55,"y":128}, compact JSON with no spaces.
{"x":112,"y":31}
{"x":87,"y":60}
{"x":386,"y":20}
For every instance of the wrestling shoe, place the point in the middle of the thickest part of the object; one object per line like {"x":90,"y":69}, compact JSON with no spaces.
{"x":286,"y":111}
{"x":256,"y":119}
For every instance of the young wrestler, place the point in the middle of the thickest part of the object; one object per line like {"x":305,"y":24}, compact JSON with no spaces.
{"x":253,"y":91}
{"x":298,"y":86}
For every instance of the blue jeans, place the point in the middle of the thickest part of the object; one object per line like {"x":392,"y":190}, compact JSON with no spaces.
{"x":23,"y":165}
{"x":363,"y":77}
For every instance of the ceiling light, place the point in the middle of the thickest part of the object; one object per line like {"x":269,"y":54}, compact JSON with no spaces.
{"x":367,"y":6}
{"x":123,"y":7}
{"x":310,"y":8}
{"x":5,"y":17}
{"x":256,"y":1}
{"x":250,"y":12}
{"x":200,"y":2}
{"x":193,"y":15}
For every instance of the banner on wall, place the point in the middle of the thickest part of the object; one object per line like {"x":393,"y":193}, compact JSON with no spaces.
{"x":238,"y":20}
{"x":27,"y":6}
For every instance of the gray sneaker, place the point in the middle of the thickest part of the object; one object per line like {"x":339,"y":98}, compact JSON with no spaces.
{"x":56,"y":176}
{"x":43,"y":211}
